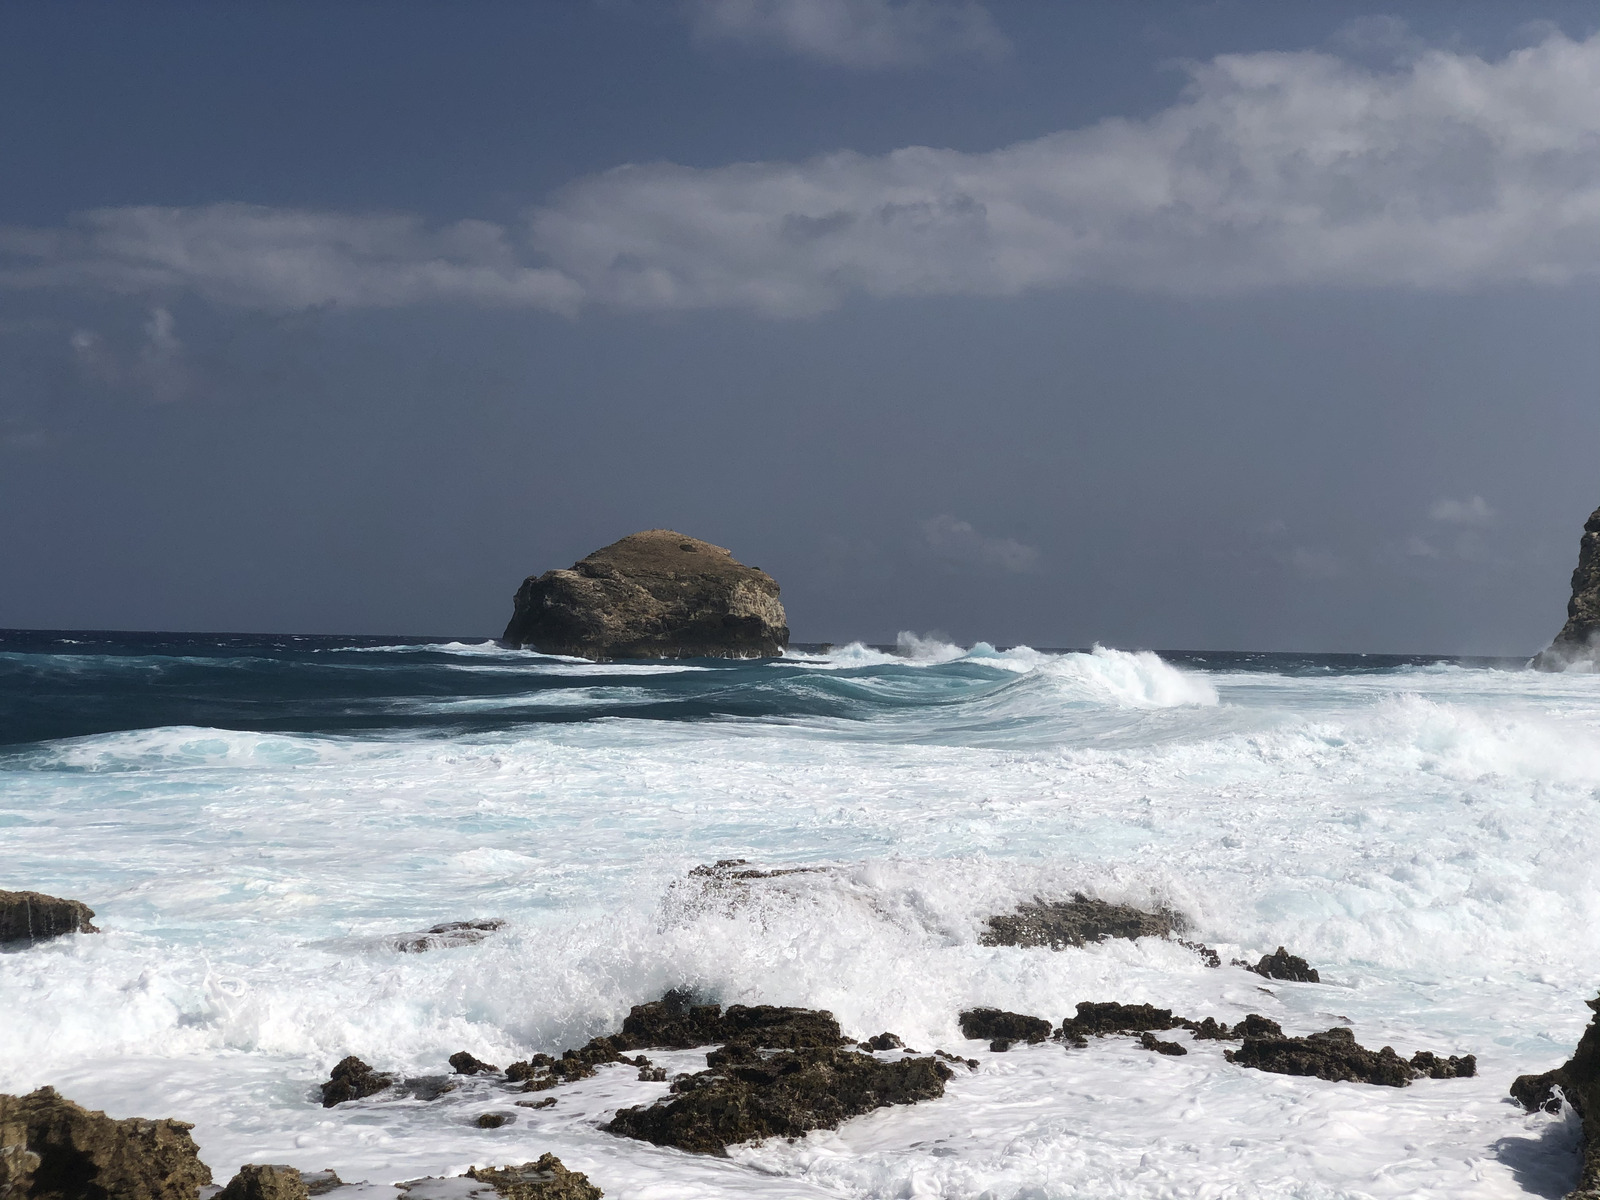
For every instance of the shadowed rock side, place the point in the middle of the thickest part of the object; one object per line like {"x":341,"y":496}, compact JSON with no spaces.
{"x":35,"y":917}
{"x":747,"y":1094}
{"x":257,"y":1181}
{"x":1062,"y":923}
{"x":1579,"y":1081}
{"x":53,"y":1149}
{"x":656,"y":594}
{"x":1579,"y":638}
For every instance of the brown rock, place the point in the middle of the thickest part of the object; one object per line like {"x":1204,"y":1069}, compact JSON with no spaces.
{"x":34,"y":917}
{"x":352,"y":1079}
{"x":1579,"y":639}
{"x":1579,"y":1081}
{"x":265,"y":1182}
{"x":655,"y":594}
{"x":53,"y":1149}
{"x":547,"y":1179}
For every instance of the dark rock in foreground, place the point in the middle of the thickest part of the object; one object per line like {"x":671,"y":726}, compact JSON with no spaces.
{"x":34,"y":917}
{"x":1579,"y":639}
{"x":747,"y":1094}
{"x":353,"y":1079}
{"x":1284,"y":965}
{"x":1076,"y":922}
{"x":265,"y":1182}
{"x":53,"y":1149}
{"x":1001,"y":1029}
{"x":446,"y":935}
{"x":655,"y":594}
{"x":1579,"y":1081}
{"x":1335,"y":1055}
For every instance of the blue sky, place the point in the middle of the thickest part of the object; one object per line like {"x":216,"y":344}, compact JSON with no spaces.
{"x":1217,"y":325}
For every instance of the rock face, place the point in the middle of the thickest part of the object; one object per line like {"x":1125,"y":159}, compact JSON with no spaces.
{"x":263,"y":1182}
{"x":656,"y":594}
{"x":1579,"y":1081}
{"x":1579,"y":638}
{"x":34,"y":917}
{"x":1062,"y":923}
{"x":53,"y":1149}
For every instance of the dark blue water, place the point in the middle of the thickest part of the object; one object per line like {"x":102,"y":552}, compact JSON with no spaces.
{"x":62,"y":684}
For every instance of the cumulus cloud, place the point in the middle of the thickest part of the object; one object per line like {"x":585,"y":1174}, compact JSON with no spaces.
{"x":958,"y":542}
{"x":1273,"y":170}
{"x":864,"y":34}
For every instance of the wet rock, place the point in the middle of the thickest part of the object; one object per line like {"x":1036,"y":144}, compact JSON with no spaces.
{"x":53,"y":1149}
{"x":652,"y":1074}
{"x":1209,"y":1030}
{"x":747,"y":1094}
{"x":1578,"y":642}
{"x":445,"y":936}
{"x":1335,"y":1055}
{"x":29,"y":917}
{"x":1150,"y":1042}
{"x":1209,"y":956}
{"x":739,"y":870}
{"x":1579,"y":1081}
{"x":1001,"y":1029}
{"x":266,"y":1182}
{"x":883,"y":1041}
{"x":493,"y":1120}
{"x":320,"y":1183}
{"x":353,"y":1079}
{"x":1100,"y":1018}
{"x":1283,"y":965}
{"x":547,"y":1179}
{"x":547,"y":1102}
{"x":655,"y":594}
{"x":463,"y":1063}
{"x":1076,"y":922}
{"x":542,"y":1071}
{"x":675,"y":1022}
{"x":970,"y":1063}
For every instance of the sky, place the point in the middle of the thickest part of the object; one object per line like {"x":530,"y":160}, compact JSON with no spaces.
{"x":1225,"y":325}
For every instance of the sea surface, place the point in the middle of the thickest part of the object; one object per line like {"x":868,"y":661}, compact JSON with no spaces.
{"x":258,"y":821}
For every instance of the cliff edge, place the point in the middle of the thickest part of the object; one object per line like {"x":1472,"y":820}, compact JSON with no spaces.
{"x":655,"y":594}
{"x":1579,"y":639}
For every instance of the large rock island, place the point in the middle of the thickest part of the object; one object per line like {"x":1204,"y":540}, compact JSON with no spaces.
{"x":655,"y":594}
{"x":1579,"y":639}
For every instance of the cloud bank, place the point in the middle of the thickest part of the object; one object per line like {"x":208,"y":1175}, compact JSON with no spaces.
{"x":862,"y":34}
{"x":1274,"y":170}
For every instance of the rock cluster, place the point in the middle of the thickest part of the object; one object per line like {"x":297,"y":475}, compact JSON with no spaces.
{"x":547,"y":1179}
{"x":53,"y":1149}
{"x":1002,"y":1029}
{"x":1579,"y":639}
{"x":1579,"y":1081}
{"x":1283,"y":965}
{"x":1334,"y":1054}
{"x":445,"y":935}
{"x":655,"y":594}
{"x":34,"y":917}
{"x":1076,"y":922}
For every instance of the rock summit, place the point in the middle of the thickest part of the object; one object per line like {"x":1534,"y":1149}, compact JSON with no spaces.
{"x":655,"y":594}
{"x":1579,"y":639}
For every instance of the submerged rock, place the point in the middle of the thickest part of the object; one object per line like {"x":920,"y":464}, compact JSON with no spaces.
{"x":1284,"y":965}
{"x":1335,"y":1055}
{"x":53,"y":1149}
{"x":747,"y":1094}
{"x":1076,"y":922}
{"x":266,"y":1182}
{"x":34,"y":917}
{"x":446,"y":935}
{"x":655,"y":594}
{"x":1579,"y":1081}
{"x":1579,"y":639}
{"x":353,"y":1079}
{"x":1001,"y":1029}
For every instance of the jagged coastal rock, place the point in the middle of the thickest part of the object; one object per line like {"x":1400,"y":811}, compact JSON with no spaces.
{"x":1579,"y":638}
{"x":1579,"y":1081}
{"x":655,"y":594}
{"x":53,"y":1149}
{"x":35,"y":917}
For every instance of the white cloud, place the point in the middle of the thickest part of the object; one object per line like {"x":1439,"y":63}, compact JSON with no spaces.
{"x":958,"y":542}
{"x":1274,"y":170}
{"x":1475,"y":511}
{"x":863,"y":34}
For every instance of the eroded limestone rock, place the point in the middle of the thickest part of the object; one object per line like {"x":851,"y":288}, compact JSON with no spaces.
{"x":28,"y":917}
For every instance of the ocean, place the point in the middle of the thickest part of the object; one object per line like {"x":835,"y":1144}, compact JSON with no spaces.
{"x":260,"y":821}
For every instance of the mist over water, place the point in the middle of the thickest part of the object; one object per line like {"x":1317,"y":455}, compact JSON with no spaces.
{"x":256,"y":819}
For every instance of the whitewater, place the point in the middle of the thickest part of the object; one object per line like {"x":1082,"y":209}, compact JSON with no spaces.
{"x":258,"y":821}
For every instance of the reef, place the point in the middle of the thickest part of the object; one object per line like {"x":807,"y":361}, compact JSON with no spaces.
{"x":1283,"y":965}
{"x":655,"y":594}
{"x":1059,"y":924}
{"x":34,"y":917}
{"x":53,"y":1149}
{"x":1335,"y":1055}
{"x":1579,"y":639}
{"x":1579,"y":1082}
{"x":746,"y":1094}
{"x":1002,"y":1029}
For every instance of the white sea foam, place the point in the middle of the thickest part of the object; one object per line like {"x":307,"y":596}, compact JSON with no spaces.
{"x":1426,"y":838}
